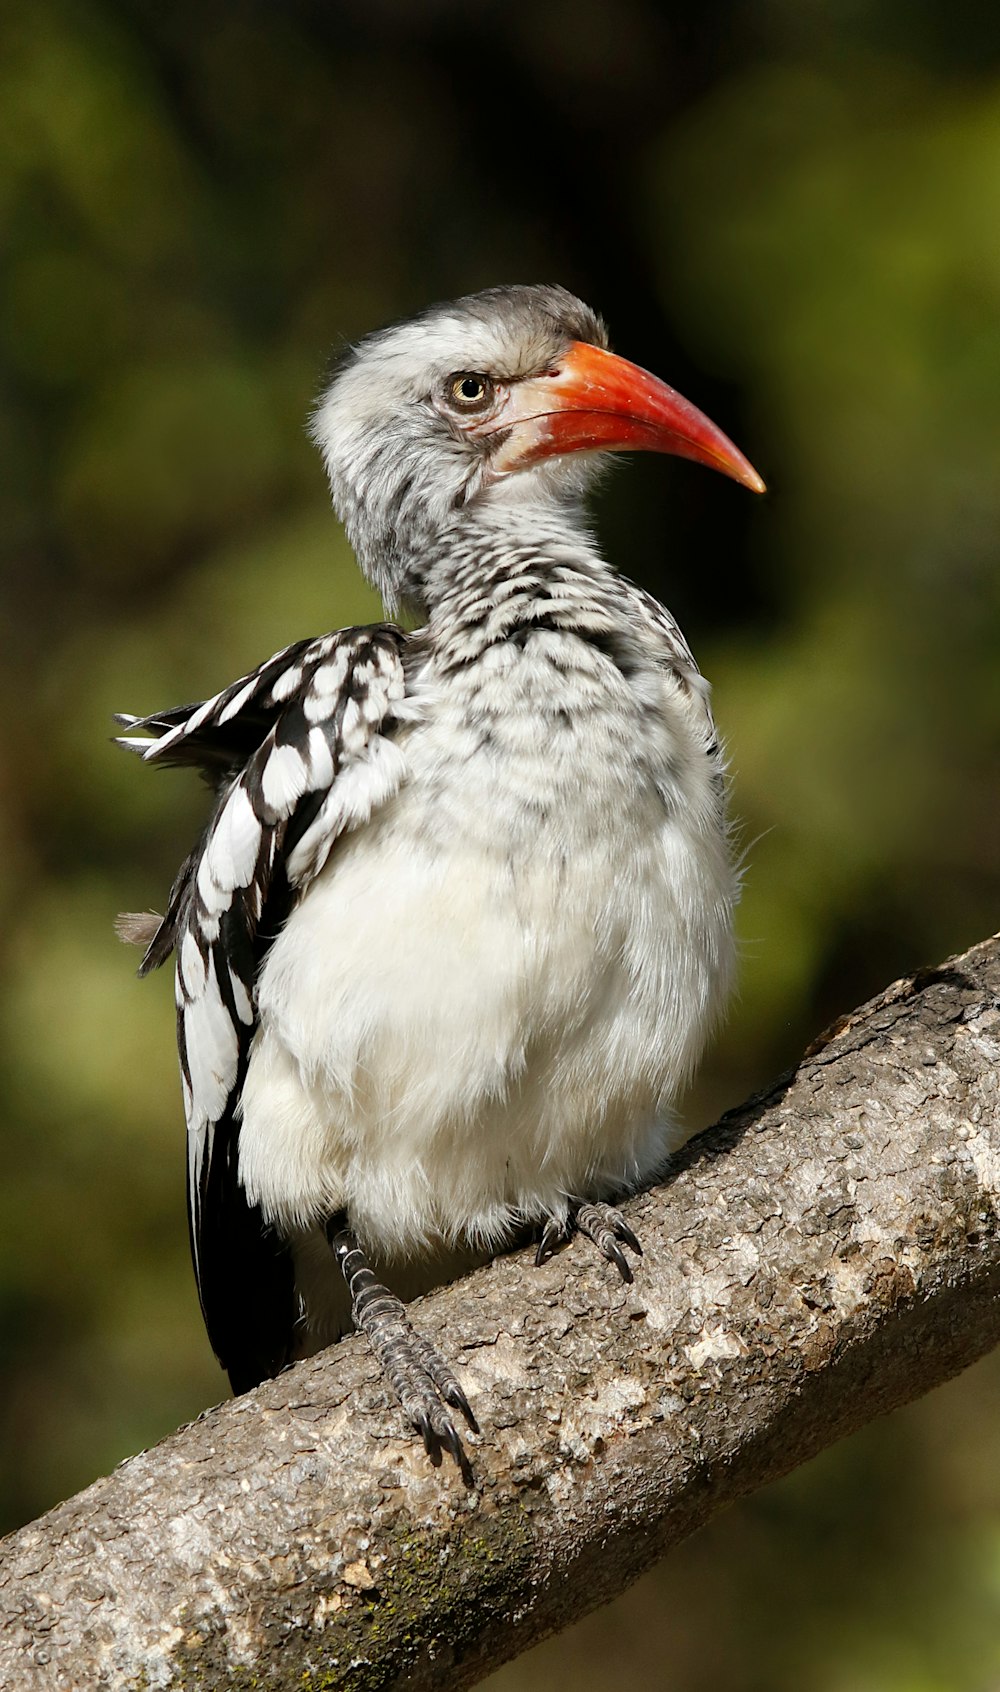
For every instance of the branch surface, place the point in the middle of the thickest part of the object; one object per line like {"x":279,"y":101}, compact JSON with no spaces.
{"x":828,"y":1251}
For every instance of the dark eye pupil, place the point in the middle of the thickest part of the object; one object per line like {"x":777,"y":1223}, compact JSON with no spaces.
{"x":472,"y":387}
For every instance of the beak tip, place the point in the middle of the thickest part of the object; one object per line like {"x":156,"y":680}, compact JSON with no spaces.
{"x":733,"y":464}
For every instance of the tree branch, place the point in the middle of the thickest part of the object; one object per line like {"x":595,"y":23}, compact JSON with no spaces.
{"x":827,"y":1252}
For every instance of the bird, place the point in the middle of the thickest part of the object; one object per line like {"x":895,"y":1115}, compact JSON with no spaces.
{"x":460,"y":920}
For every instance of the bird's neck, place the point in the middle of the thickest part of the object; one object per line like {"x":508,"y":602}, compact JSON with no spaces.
{"x":507,"y":567}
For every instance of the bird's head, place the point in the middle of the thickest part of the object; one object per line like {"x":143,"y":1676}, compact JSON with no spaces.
{"x":503,"y":399}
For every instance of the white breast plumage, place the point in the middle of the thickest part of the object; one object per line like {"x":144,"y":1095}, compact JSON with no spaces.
{"x":486,"y":1002}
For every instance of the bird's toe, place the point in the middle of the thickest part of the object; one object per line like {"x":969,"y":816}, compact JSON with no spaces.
{"x":604,"y":1225}
{"x":443,"y":1379}
{"x":555,"y":1233}
{"x":423,"y":1408}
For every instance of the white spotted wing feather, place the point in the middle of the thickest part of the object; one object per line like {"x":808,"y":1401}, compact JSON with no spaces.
{"x":297,"y":753}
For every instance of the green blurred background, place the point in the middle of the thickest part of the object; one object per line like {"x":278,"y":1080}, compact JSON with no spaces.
{"x":791,"y":210}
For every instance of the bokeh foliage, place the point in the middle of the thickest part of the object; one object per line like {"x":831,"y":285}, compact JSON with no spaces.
{"x":793,"y":213}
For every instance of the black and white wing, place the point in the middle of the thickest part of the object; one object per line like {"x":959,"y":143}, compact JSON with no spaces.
{"x":298,"y":752}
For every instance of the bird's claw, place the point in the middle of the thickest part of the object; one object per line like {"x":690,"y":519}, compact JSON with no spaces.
{"x":439,"y":1433}
{"x":555,"y":1232}
{"x":424,"y":1385}
{"x":458,"y":1401}
{"x":602,"y":1224}
{"x":441,"y":1376}
{"x":624,"y":1232}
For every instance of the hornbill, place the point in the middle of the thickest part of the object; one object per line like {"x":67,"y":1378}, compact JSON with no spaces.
{"x":461,"y":918}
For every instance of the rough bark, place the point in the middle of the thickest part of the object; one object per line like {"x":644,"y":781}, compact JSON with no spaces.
{"x":826,"y":1252}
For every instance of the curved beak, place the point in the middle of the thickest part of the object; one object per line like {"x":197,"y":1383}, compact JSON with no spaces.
{"x":594,"y":401}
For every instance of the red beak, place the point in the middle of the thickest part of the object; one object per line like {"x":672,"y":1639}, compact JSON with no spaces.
{"x":596,"y":402}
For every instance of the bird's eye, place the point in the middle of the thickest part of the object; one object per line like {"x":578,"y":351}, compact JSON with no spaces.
{"x":468,"y":391}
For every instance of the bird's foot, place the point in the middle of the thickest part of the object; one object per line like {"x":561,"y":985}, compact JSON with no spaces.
{"x":602,"y":1224}
{"x":414,"y":1368}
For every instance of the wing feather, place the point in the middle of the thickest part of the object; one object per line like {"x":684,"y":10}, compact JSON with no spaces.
{"x":676,"y":653}
{"x":298,"y":752}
